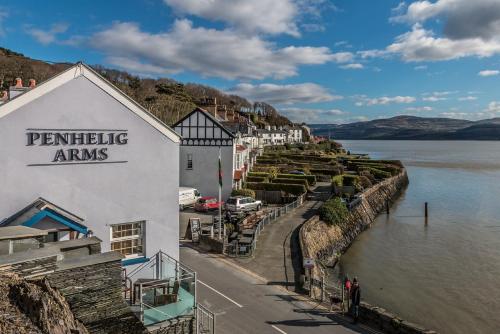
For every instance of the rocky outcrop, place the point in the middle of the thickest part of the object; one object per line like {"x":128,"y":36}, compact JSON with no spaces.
{"x":34,"y":307}
{"x":326,"y":243}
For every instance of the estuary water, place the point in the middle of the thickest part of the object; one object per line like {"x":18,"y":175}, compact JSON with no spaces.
{"x":444,"y":275}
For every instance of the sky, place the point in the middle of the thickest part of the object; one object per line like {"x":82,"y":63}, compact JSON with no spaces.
{"x":316,"y":61}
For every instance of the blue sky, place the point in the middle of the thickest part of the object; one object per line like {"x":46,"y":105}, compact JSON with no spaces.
{"x":317,"y":61}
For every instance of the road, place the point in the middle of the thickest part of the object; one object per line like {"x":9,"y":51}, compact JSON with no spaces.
{"x":245,"y":304}
{"x":277,"y":257}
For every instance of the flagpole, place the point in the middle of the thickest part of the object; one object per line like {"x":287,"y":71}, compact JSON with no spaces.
{"x":220,"y":196}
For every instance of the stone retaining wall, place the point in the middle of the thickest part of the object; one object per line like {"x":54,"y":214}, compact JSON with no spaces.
{"x":326,"y":243}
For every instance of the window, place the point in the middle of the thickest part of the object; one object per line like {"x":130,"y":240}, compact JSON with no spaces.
{"x":189,"y":161}
{"x":128,"y":239}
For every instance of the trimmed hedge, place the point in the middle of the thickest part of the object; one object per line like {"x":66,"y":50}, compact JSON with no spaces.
{"x":379,"y":174}
{"x":257,"y":179}
{"x":311,"y":179}
{"x":259,"y":174}
{"x":272,"y":170}
{"x":292,"y":181}
{"x":294,"y":189}
{"x":331,"y":172}
{"x":338,"y":180}
{"x":350,"y":180}
{"x":333,"y":211}
{"x":243,"y":192}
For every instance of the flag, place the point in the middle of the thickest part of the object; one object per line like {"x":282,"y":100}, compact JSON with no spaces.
{"x":220,"y":170}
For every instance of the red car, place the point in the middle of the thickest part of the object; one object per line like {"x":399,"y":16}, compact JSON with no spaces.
{"x":207,"y":203}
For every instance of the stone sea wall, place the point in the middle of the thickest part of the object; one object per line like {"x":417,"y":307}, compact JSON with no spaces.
{"x":326,"y":243}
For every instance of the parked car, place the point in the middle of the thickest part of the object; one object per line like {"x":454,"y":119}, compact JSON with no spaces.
{"x":240,"y":203}
{"x":297,"y":172}
{"x":207,"y":203}
{"x":187,"y":197}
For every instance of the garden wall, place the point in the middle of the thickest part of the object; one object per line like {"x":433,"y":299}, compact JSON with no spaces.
{"x":326,"y":243}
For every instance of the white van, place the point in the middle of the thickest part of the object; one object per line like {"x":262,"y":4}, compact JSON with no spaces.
{"x":187,"y":197}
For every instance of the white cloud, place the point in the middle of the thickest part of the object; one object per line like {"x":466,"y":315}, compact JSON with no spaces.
{"x":384,"y":100}
{"x":355,"y":66}
{"x":47,"y":37}
{"x":419,"y":109}
{"x":434,"y":98}
{"x":488,"y":73}
{"x":209,"y":52}
{"x":311,"y":115}
{"x":258,"y":16}
{"x":470,"y":28}
{"x":284,"y":94}
{"x":493,"y":108}
{"x":467,"y":98}
{"x":455,"y":114}
{"x":273,"y":17}
{"x":420,"y":67}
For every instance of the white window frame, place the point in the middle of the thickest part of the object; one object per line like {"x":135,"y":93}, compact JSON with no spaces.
{"x":141,"y":236}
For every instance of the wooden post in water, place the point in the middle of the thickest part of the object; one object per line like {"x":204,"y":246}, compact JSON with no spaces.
{"x":387,"y":206}
{"x":426,"y":209}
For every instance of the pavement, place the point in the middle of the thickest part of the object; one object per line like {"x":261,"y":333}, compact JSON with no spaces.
{"x":277,"y":257}
{"x":244,"y":302}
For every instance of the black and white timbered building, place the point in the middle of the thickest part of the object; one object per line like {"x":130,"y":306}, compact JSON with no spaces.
{"x":202,"y":137}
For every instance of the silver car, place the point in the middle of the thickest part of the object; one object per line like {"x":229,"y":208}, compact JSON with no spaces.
{"x":240,"y":203}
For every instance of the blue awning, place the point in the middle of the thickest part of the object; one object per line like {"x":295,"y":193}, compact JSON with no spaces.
{"x":57,"y":217}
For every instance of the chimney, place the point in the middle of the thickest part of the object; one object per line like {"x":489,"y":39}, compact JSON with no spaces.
{"x":5,"y":97}
{"x":17,"y":89}
{"x":210,"y":105}
{"x":222,"y":112}
{"x":32,"y":83}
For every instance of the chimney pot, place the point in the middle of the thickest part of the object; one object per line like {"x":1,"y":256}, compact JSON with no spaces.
{"x":32,"y":83}
{"x":5,"y":96}
{"x":18,"y":83}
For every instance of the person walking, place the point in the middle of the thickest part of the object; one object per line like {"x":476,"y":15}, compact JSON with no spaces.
{"x":347,"y":290}
{"x":355,"y":299}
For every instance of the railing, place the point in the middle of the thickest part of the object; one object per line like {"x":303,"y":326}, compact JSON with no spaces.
{"x":272,"y":215}
{"x":162,"y":289}
{"x":205,"y":320}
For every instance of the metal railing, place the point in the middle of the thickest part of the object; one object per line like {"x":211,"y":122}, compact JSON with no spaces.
{"x":271,"y":216}
{"x":205,"y":320}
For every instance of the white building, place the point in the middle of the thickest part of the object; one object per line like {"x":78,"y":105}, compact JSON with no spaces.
{"x":294,"y":134}
{"x":202,"y":138}
{"x":80,"y":157}
{"x":271,"y":137}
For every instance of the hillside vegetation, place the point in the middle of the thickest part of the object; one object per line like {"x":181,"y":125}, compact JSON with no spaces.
{"x":167,"y":99}
{"x":413,"y":128}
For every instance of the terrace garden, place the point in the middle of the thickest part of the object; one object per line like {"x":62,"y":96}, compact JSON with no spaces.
{"x":295,"y":169}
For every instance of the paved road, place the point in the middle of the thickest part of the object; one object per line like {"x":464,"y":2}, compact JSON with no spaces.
{"x":277,"y":257}
{"x":246,"y":304}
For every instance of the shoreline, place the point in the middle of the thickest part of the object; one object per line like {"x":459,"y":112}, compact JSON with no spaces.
{"x":325,"y":244}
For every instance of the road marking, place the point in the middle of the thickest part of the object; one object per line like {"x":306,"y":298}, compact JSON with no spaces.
{"x":279,"y":330}
{"x":220,"y":293}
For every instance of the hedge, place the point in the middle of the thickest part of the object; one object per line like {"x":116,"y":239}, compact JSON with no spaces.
{"x":272,"y":170}
{"x":292,"y":181}
{"x":294,"y":189}
{"x":390,"y":162}
{"x":350,"y":180}
{"x":333,"y":211}
{"x":331,"y":172}
{"x":379,"y":174}
{"x":259,"y":174}
{"x":243,"y":192}
{"x":338,"y":180}
{"x":311,"y":179}
{"x":257,"y":179}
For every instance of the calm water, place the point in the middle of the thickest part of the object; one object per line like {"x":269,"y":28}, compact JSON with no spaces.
{"x":444,"y":275}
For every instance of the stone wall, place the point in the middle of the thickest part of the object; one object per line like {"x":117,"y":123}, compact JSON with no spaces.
{"x":94,"y":293}
{"x":326,"y":243}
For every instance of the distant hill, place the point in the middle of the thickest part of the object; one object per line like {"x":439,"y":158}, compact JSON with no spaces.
{"x":413,"y":128}
{"x":167,"y":99}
